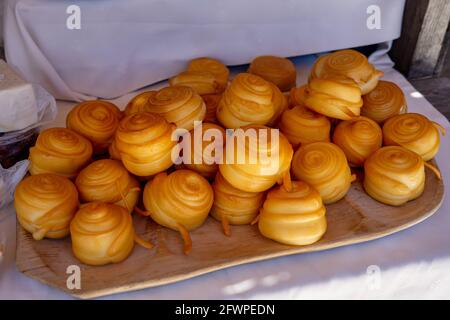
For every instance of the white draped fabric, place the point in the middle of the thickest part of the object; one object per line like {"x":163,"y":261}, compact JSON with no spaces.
{"x":122,"y":46}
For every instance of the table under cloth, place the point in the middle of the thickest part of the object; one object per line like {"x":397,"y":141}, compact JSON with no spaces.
{"x":413,"y":263}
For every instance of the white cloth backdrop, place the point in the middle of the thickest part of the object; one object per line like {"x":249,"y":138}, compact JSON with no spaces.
{"x":126,"y":45}
{"x":2,"y":4}
{"x":414,"y":263}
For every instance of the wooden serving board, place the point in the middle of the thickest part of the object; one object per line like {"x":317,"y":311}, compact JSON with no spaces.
{"x":354,"y":219}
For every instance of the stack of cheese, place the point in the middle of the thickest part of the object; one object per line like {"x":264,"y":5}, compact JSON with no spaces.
{"x":327,"y":128}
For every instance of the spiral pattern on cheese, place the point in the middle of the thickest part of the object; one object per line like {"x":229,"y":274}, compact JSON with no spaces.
{"x":414,"y":132}
{"x":335,"y":97}
{"x":203,"y":151}
{"x":234,"y":206}
{"x":280,"y":71}
{"x":211,"y":102}
{"x":324,"y":166}
{"x":248,"y":100}
{"x":295,"y":217}
{"x":203,"y":82}
{"x":280,"y":104}
{"x":108,"y":181}
{"x":144,"y":141}
{"x":60,"y":151}
{"x":297,"y":96}
{"x":256,"y":159}
{"x":139,"y":103}
{"x":301,"y":125}
{"x":180,"y":105}
{"x":180,"y":201}
{"x":45,"y":204}
{"x":348,"y":63}
{"x":213,"y":66}
{"x":358,"y":138}
{"x":102,"y":233}
{"x":384,"y":102}
{"x":394,"y":175}
{"x":97,"y":121}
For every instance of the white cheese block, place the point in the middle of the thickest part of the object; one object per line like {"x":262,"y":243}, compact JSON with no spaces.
{"x":18,"y":107}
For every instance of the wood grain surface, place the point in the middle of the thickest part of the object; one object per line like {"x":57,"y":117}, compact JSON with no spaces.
{"x":354,"y":219}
